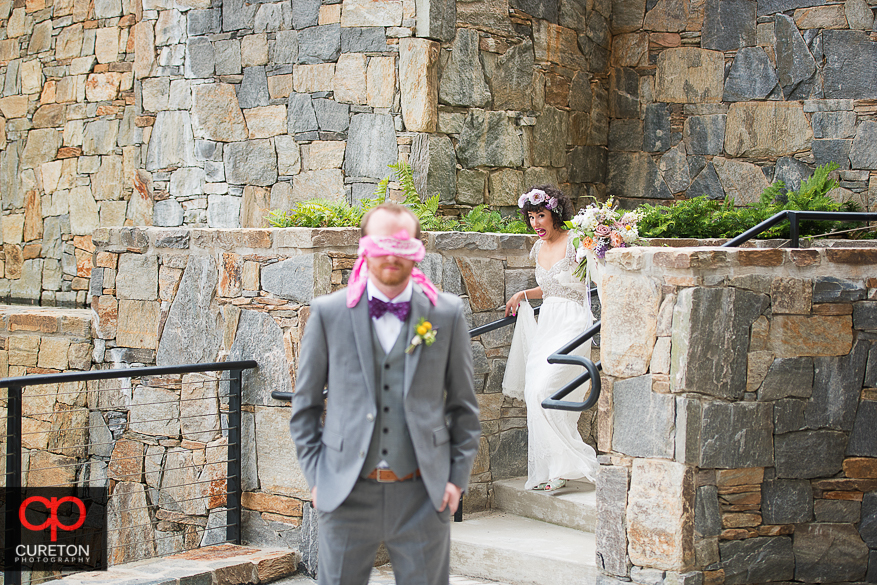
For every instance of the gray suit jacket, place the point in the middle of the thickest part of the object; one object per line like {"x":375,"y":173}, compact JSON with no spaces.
{"x":440,"y":404}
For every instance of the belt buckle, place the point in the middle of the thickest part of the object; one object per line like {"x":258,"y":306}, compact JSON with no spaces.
{"x":390,"y":476}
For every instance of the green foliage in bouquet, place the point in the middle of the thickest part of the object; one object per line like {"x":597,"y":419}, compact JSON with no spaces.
{"x":325,"y":213}
{"x":700,"y":217}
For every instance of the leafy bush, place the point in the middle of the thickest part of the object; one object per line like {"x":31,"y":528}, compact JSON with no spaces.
{"x":324,"y":213}
{"x":700,"y":217}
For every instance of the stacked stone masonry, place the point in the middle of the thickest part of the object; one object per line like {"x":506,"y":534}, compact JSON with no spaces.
{"x":757,"y":460}
{"x":722,"y":97}
{"x":212,"y":113}
{"x":169,"y":296}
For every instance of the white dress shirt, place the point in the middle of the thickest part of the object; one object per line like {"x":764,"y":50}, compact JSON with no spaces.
{"x":388,"y":326}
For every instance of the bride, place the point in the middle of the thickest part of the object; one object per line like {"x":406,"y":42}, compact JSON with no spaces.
{"x":556,"y":452}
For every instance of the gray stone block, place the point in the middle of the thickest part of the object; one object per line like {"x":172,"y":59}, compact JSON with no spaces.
{"x":836,"y":151}
{"x":786,"y":501}
{"x":871,"y":577}
{"x":199,"y":57}
{"x":757,"y":560}
{"x":752,"y":76}
{"x":795,"y":63}
{"x":167,"y":213}
{"x":285,"y":47}
{"x":809,"y":454}
{"x":371,"y":146}
{"x":657,"y":136}
{"x":203,"y":22}
{"x":712,"y":359}
{"x":870,"y":369}
{"x":237,"y":15}
{"x":319,"y":44}
{"x":863,"y":153}
{"x":434,"y":165}
{"x":643,"y":422}
{"x":191,"y":334}
{"x":838,"y":511}
{"x":863,"y":439}
{"x":704,"y":134}
{"x":610,"y":533}
{"x":305,"y":13}
{"x":299,"y":279}
{"x":437,"y":19}
{"x":829,"y":553}
{"x":259,"y":338}
{"x":868,"y":524}
{"x":545,"y":9}
{"x":791,"y":172}
{"x":331,"y":116}
{"x":300,"y":115}
{"x":788,"y":416}
{"x":253,"y":89}
{"x":837,"y":385}
{"x":253,"y":162}
{"x":732,"y":435}
{"x":137,"y":277}
{"x":489,"y":138}
{"x":833,"y":124}
{"x":587,"y":164}
{"x":624,"y":93}
{"x":828,"y":289}
{"x":728,"y":25}
{"x":223,"y":211}
{"x":850,"y":62}
{"x":508,"y":453}
{"x":625,"y":135}
{"x":369,"y":39}
{"x":706,"y":184}
{"x":548,"y":138}
{"x":788,"y":377}
{"x":178,"y":239}
{"x":227,"y":56}
{"x":635,"y":175}
{"x":462,"y":79}
{"x":707,"y":514}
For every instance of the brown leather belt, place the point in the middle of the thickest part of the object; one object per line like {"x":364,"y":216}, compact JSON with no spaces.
{"x":387,"y":475}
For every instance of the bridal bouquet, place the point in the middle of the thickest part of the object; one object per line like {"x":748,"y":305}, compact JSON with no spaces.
{"x":598,"y":228}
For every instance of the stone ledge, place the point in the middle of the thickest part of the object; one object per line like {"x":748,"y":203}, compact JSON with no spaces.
{"x":223,"y":564}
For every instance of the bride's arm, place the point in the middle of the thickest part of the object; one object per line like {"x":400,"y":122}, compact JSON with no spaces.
{"x":512,"y":305}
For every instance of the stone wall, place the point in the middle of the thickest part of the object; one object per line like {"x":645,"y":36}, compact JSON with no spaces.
{"x":720,"y":98}
{"x":200,"y":113}
{"x":757,"y":461}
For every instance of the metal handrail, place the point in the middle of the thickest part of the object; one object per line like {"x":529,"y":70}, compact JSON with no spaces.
{"x":795,"y":217}
{"x":16,"y":385}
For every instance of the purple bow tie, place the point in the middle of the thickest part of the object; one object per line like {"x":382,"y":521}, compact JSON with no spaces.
{"x":377,"y":308}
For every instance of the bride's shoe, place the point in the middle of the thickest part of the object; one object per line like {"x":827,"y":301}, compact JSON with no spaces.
{"x":540,"y":487}
{"x":554,"y":484}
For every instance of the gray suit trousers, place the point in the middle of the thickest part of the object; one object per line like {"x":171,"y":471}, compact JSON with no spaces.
{"x":399,"y":514}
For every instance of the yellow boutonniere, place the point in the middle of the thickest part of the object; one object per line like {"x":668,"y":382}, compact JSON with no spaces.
{"x":423,"y":333}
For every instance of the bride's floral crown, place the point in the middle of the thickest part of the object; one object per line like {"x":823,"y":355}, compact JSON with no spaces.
{"x":537,"y":197}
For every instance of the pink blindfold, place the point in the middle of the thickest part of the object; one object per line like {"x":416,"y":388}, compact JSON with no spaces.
{"x":399,"y":244}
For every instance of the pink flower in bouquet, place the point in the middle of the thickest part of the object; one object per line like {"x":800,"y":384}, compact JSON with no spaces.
{"x":616,"y":239}
{"x":602,"y":231}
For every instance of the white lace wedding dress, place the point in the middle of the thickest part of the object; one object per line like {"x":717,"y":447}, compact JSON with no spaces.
{"x":555,"y":448}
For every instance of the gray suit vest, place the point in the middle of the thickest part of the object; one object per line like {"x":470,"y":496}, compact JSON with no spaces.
{"x":391,"y":441}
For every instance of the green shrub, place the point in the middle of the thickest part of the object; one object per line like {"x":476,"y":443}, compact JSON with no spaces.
{"x":700,"y":217}
{"x":324,"y":213}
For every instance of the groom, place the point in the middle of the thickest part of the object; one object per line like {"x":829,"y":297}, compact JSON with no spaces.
{"x":401,"y":426}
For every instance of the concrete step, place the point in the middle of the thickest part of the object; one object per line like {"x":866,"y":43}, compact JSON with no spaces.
{"x":521,"y":551}
{"x":573,"y":506}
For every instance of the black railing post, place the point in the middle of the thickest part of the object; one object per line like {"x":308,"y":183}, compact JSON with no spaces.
{"x":12,"y":480}
{"x":233,"y":499}
{"x":793,"y":229}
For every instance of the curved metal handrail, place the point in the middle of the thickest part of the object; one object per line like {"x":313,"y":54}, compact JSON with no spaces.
{"x":561,"y":356}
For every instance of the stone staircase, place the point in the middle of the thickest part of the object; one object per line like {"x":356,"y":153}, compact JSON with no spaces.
{"x":530,"y":537}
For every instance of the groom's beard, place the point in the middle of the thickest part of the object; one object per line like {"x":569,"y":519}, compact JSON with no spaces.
{"x":389,"y":270}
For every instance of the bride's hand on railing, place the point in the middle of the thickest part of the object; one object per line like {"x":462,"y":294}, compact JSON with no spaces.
{"x":511,"y":307}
